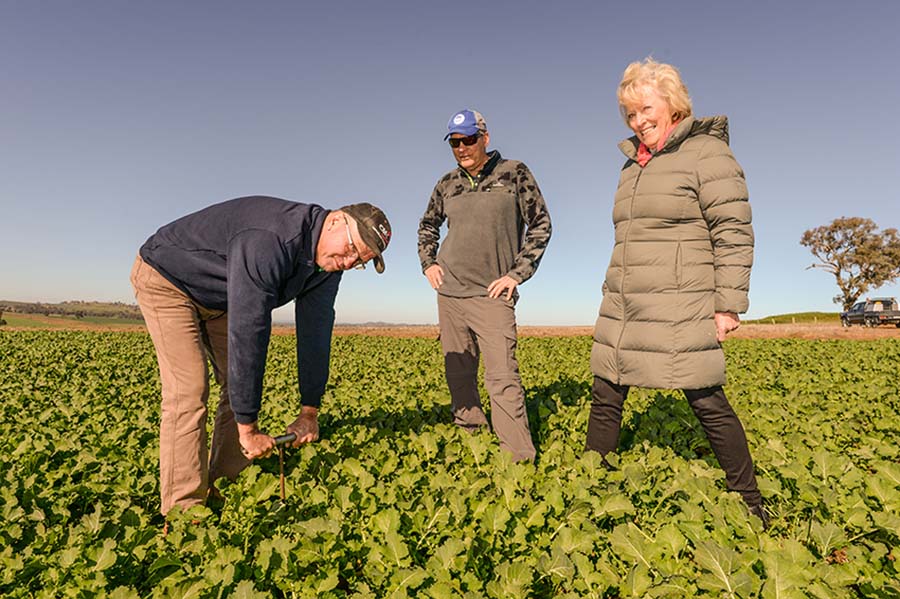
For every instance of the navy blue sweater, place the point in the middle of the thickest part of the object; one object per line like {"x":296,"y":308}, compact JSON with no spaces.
{"x":248,"y":256}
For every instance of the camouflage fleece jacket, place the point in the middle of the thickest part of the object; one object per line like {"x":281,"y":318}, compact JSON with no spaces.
{"x":487,"y":217}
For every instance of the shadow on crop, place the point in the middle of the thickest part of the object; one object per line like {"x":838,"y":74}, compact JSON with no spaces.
{"x":540,"y":402}
{"x":543,"y":401}
{"x":388,"y":423}
{"x":667,"y":421}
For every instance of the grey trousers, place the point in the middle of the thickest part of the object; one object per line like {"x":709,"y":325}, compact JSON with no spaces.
{"x":474,"y":326}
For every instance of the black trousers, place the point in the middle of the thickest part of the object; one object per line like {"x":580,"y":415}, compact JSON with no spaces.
{"x":719,"y":422}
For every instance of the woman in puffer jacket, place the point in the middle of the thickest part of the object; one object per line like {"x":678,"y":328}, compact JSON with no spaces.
{"x":679,"y":272}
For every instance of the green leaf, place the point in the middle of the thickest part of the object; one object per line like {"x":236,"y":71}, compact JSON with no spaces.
{"x":571,"y":541}
{"x":163,"y":562}
{"x":395,"y":549}
{"x":826,"y":465}
{"x":92,"y":521}
{"x":784,"y":579}
{"x":105,"y":557}
{"x":629,"y":542}
{"x":826,"y":537}
{"x":512,"y":580}
{"x":794,"y":551}
{"x":68,"y":556}
{"x":637,"y":582}
{"x":536,"y":515}
{"x":672,"y":540}
{"x":124,"y":593}
{"x":883,"y":491}
{"x":246,"y":590}
{"x":406,"y":580}
{"x":720,"y":565}
{"x":616,"y":505}
{"x":494,"y":519}
{"x":557,"y":566}
{"x":890,"y":473}
{"x":387,"y":520}
{"x":448,"y":553}
{"x":273,"y":552}
{"x":329,"y":582}
{"x":887,"y":521}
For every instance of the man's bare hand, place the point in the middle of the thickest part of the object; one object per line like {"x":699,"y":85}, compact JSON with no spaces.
{"x":435,"y":275}
{"x":254,"y":443}
{"x":725,"y":323}
{"x":306,"y":426}
{"x":504,"y":283}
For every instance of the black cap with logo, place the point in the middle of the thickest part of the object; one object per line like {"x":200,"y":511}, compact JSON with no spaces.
{"x":373,"y":227}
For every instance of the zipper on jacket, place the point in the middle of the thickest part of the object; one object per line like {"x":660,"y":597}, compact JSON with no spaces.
{"x":485,"y":171}
{"x":622,"y":290}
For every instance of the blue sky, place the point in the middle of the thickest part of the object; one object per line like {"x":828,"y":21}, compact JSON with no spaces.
{"x":118,"y":117}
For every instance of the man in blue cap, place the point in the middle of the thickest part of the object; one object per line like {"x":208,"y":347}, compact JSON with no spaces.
{"x":498,"y":229}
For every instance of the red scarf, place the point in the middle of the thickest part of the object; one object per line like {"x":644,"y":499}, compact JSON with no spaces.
{"x":644,"y":154}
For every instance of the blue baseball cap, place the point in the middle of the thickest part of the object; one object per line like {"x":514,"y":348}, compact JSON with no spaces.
{"x":468,"y":122}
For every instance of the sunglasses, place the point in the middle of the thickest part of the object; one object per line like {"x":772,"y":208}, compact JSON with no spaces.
{"x":466,"y":141}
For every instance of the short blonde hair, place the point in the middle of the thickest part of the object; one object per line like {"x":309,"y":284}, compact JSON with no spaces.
{"x":663,"y":78}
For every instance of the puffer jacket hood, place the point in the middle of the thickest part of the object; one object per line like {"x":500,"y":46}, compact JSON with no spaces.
{"x":683,"y":251}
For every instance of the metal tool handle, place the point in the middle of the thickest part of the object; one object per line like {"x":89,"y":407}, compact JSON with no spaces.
{"x":285,"y":439}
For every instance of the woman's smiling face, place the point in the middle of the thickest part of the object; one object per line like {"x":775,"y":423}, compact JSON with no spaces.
{"x":650,"y":118}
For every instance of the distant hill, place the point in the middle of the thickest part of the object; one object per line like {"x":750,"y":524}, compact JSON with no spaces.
{"x":797,"y":317}
{"x":79,"y":310}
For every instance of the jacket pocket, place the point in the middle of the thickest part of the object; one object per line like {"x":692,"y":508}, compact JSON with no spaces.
{"x":678,"y":267}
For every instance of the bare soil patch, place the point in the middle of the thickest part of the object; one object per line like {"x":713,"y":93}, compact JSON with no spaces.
{"x":746,"y":331}
{"x":814,"y":331}
{"x":432,"y":331}
{"x":63,"y":323}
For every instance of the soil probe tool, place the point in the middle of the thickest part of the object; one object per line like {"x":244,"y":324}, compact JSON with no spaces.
{"x":280,"y":442}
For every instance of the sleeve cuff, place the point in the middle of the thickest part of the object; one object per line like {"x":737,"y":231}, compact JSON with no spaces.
{"x":313,"y":402}
{"x":732,"y":300}
{"x":245,"y":418}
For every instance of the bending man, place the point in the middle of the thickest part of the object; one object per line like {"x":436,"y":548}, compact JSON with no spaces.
{"x":207,"y":284}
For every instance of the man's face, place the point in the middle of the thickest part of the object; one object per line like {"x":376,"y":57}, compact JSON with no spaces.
{"x":471,"y":157}
{"x":340,"y":247}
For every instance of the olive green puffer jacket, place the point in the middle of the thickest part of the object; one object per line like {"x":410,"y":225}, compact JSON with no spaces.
{"x":683,"y":251}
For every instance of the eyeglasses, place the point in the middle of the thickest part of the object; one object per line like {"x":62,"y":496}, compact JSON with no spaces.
{"x":466,"y":141}
{"x":358,"y":264}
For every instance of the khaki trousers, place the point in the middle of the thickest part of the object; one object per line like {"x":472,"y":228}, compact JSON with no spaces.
{"x":480,"y":325}
{"x":185,"y":334}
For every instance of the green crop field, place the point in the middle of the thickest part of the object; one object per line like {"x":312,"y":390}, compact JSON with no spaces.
{"x":394,"y":501}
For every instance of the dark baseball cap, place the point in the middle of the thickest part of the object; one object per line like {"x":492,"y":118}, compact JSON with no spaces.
{"x":373,"y":227}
